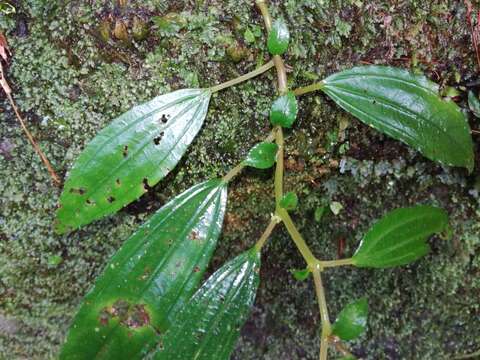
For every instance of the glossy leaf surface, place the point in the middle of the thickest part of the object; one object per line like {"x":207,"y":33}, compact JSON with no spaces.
{"x":209,"y":325}
{"x":278,"y":38}
{"x":400,"y":237}
{"x":289,"y":201}
{"x":262,"y":156}
{"x":149,"y":279}
{"x":137,"y":149}
{"x":474,"y":104}
{"x":284,"y":110}
{"x":406,"y":107}
{"x":352,"y":320}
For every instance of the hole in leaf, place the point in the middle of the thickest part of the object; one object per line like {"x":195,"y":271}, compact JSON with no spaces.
{"x":159,"y":138}
{"x":125,"y":151}
{"x":110,"y":199}
{"x":118,"y":182}
{"x":79,"y":191}
{"x":196,"y":269}
{"x":90,"y":202}
{"x":164,"y":118}
{"x":145,"y":185}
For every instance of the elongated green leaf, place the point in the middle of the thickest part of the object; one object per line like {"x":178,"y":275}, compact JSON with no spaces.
{"x":208,"y":327}
{"x":400,"y":237}
{"x":278,"y":38}
{"x":149,"y":279}
{"x":137,"y":149}
{"x":352,"y":320}
{"x":474,"y":104}
{"x":408,"y":108}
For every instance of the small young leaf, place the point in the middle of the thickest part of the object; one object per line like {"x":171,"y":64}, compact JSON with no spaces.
{"x":406,"y":107}
{"x":289,"y":201}
{"x":319,"y":212}
{"x":352,"y":320}
{"x":300,"y":275}
{"x":136,"y":150}
{"x":474,"y":104}
{"x":400,"y":237}
{"x":209,"y":325}
{"x":149,"y":279}
{"x":336,"y":207}
{"x":262,"y":156}
{"x":284,"y":110}
{"x":278,"y":38}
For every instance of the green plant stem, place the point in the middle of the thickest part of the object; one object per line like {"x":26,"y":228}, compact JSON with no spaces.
{"x":279,"y":65}
{"x":468,"y":356}
{"x":322,"y":305}
{"x":243,"y":78}
{"x":298,"y":239}
{"x":309,"y":88}
{"x":334,"y":263}
{"x":268,"y":231}
{"x":279,"y":167}
{"x":237,"y":169}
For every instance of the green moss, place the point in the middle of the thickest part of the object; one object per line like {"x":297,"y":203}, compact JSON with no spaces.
{"x":70,"y":83}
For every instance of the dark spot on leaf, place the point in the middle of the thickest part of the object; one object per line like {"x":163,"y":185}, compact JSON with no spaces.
{"x":132,"y":316}
{"x":164,"y":118}
{"x":374,"y":102}
{"x":159,"y":138}
{"x":79,"y":191}
{"x":193,"y":235}
{"x":110,"y":199}
{"x":145,"y":184}
{"x":90,"y":202}
{"x":196,"y":269}
{"x":125,"y":151}
{"x":118,"y":182}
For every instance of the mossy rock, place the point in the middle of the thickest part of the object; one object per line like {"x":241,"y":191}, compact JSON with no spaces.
{"x":69,"y":82}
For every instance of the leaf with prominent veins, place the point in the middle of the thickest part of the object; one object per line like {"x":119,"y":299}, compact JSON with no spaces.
{"x":136,"y":150}
{"x":408,"y":108}
{"x":149,"y":279}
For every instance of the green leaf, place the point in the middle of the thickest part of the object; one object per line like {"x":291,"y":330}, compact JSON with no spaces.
{"x":348,"y":357}
{"x":300,"y":275}
{"x":400,"y":237}
{"x":278,"y":38}
{"x":406,"y":107}
{"x":289,"y":201}
{"x":150,"y":278}
{"x":135,"y":151}
{"x":208,"y":327}
{"x":352,"y":320}
{"x":474,"y":104}
{"x":319,"y":212}
{"x":262,"y":156}
{"x":284,"y":110}
{"x":249,"y":36}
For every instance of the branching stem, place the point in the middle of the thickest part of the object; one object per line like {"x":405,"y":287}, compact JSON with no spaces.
{"x":243,"y":78}
{"x":268,"y":231}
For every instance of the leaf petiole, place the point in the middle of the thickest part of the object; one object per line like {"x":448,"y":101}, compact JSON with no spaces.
{"x":243,"y":78}
{"x":268,"y":231}
{"x":309,"y":88}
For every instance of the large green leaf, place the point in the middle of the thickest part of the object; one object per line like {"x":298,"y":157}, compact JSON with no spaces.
{"x":352,"y":320}
{"x":208,"y":327}
{"x":400,"y":237}
{"x":136,"y":150}
{"x":407,"y":107}
{"x":149,"y":279}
